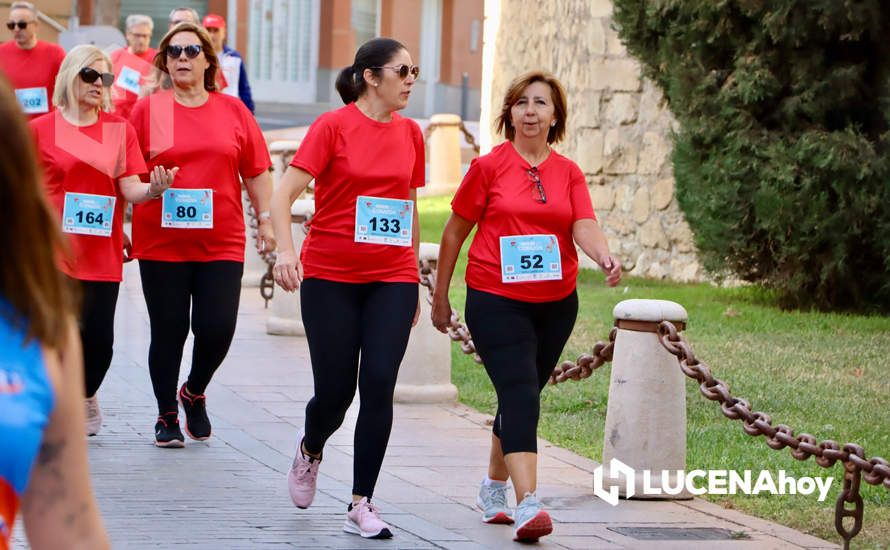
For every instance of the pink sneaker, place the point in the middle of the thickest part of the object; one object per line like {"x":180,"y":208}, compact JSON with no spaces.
{"x":302,"y":477}
{"x":364,"y":519}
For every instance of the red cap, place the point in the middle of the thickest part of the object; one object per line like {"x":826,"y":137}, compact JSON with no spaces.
{"x":213,"y":21}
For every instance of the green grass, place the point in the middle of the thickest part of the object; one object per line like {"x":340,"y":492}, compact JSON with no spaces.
{"x":821,"y":373}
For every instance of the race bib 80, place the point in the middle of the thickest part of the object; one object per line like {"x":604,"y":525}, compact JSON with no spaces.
{"x":187,"y":208}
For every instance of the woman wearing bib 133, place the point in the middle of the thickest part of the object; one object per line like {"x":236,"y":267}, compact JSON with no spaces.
{"x":531,"y":205}
{"x":357,"y":271}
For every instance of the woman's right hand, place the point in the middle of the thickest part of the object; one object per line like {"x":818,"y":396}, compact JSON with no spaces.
{"x":288,"y":271}
{"x":441,"y":314}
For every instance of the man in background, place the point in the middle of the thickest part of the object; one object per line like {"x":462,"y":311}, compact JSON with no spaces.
{"x":235,"y":82}
{"x":133,"y":66}
{"x":183,"y":15}
{"x":30,"y":64}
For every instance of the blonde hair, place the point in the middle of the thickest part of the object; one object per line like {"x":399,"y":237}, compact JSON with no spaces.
{"x":78,"y":58}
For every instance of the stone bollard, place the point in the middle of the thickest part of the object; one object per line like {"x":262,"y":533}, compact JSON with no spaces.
{"x":425,"y":374}
{"x":444,"y":155}
{"x":285,"y":318}
{"x":281,"y":152}
{"x":646,"y":416}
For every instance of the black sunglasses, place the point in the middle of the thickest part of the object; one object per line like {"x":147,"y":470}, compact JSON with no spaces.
{"x":89,"y":76}
{"x":403,"y":70}
{"x":191,"y":52}
{"x":22,"y":25}
{"x":538,"y":189}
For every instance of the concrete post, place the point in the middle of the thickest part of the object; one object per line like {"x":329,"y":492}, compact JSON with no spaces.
{"x":444,"y":155}
{"x":285,"y":318}
{"x":425,"y":374}
{"x":646,"y":416}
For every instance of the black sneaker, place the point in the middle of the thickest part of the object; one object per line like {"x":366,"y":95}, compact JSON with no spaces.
{"x":197,"y":425}
{"x":167,"y":432}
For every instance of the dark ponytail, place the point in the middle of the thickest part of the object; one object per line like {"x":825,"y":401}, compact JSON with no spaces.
{"x":376,"y":52}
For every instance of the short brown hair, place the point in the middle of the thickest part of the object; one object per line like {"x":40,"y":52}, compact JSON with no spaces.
{"x":517,"y":88}
{"x":40,"y":295}
{"x":206,"y":46}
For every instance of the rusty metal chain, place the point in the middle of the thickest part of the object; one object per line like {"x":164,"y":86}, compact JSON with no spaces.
{"x":468,"y":136}
{"x":457,"y":331}
{"x":586,"y":363}
{"x":875,"y":471}
{"x":267,"y":283}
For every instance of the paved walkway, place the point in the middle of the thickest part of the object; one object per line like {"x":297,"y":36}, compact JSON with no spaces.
{"x":230,"y":491}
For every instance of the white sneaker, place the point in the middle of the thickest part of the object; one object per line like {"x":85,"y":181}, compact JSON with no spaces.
{"x":94,"y":416}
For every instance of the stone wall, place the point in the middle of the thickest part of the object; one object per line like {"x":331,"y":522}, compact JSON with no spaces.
{"x":618,"y":129}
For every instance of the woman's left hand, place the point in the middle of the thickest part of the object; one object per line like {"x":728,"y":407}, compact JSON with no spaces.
{"x":265,"y":241}
{"x":160,"y":179}
{"x":612,"y":268}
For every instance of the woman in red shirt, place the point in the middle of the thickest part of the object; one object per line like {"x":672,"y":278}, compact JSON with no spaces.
{"x":91,"y":165}
{"x":190,"y":243}
{"x":531,"y":206}
{"x":357,"y":271}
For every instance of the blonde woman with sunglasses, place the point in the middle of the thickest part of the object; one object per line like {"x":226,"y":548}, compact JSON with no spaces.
{"x":357,"y":272}
{"x":91,"y":166}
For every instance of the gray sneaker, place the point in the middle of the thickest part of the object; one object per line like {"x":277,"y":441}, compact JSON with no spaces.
{"x":532,"y":522}
{"x":492,"y":500}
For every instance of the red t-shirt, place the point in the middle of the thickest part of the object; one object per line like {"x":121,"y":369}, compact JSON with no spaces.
{"x":121,"y":59}
{"x":212,"y":145}
{"x":89,"y":159}
{"x":349,"y":155}
{"x":498,"y":195}
{"x":34,"y":68}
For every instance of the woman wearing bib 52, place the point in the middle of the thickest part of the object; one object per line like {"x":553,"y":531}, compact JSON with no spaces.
{"x":91,"y":165}
{"x":190,"y":241}
{"x":357,"y":271}
{"x":531,"y":205}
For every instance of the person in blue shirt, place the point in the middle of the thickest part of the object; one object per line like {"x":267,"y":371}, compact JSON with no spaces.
{"x":236,"y":83}
{"x":44,"y":471}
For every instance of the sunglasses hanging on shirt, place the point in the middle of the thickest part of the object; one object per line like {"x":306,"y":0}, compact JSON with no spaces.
{"x":89,"y":76}
{"x":191,"y":52}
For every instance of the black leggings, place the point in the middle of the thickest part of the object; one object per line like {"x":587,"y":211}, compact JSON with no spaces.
{"x":356,"y":333}
{"x":519,"y":343}
{"x":212,"y":290}
{"x":96,"y":321}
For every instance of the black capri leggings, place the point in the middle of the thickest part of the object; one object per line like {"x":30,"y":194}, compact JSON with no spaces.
{"x":96,"y":322}
{"x":357,"y":333}
{"x":212,"y":290}
{"x":519,"y":343}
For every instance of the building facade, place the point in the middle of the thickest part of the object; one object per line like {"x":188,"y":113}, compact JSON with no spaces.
{"x":293,"y":49}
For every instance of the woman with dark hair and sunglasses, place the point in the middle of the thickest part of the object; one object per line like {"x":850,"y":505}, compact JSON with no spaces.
{"x":357,"y":271}
{"x":190,"y":242}
{"x":44,"y":470}
{"x":532,"y":206}
{"x":91,"y":165}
